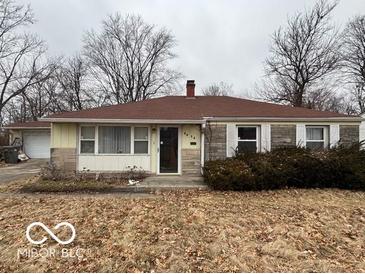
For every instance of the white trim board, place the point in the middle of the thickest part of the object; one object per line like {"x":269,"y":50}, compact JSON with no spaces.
{"x":118,"y":121}
{"x":284,"y":119}
{"x":204,"y":120}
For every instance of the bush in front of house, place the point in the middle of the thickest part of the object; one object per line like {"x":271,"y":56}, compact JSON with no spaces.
{"x":340,"y":167}
{"x":230,"y":174}
{"x":349,"y":166}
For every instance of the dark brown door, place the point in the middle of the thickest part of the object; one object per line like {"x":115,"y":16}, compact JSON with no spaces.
{"x":169,"y":146}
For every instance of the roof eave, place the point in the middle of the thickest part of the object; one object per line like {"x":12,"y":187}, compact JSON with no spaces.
{"x":27,"y":127}
{"x":124,"y":121}
{"x":285,"y":119}
{"x":202,"y":121}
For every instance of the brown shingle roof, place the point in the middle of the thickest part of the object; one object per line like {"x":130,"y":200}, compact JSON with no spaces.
{"x":196,"y":108}
{"x":31,"y":124}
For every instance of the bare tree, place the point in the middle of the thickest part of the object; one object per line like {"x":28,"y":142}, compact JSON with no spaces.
{"x":354,"y":59}
{"x":73,"y":79}
{"x":129,"y":59}
{"x":21,"y":55}
{"x":327,"y":100}
{"x":42,"y":99}
{"x":218,"y":89}
{"x":302,"y":56}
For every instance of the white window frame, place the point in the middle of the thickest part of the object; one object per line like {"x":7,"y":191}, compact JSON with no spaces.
{"x":325,"y":136}
{"x":81,"y":139}
{"x":258,"y":136}
{"x":142,"y":140}
{"x":96,"y":140}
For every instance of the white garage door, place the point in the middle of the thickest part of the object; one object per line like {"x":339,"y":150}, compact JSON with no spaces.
{"x":36,"y":143}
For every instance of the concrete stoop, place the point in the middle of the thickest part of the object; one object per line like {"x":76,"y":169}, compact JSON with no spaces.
{"x":171,"y":183}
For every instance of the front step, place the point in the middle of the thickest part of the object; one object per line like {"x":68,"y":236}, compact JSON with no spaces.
{"x":173,"y":182}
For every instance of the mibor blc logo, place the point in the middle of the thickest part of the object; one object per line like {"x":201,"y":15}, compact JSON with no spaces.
{"x":50,"y":251}
{"x":51,"y":234}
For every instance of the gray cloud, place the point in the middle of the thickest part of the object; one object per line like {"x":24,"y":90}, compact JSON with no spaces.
{"x":217,"y":40}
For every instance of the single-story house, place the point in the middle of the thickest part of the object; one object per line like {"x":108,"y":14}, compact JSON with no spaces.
{"x":177,"y":134}
{"x":35,"y":138}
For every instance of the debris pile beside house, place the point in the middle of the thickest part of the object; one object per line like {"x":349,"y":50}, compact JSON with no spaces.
{"x":13,"y":153}
{"x":132,"y":182}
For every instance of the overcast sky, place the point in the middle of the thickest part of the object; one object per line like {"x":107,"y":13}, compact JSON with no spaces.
{"x":217,"y":40}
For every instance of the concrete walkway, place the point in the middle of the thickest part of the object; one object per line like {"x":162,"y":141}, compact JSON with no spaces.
{"x":171,"y":182}
{"x":21,"y":170}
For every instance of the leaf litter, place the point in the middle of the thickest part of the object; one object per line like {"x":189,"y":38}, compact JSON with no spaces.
{"x":193,"y":231}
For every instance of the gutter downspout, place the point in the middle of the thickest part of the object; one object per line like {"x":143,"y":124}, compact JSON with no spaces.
{"x":202,"y":137}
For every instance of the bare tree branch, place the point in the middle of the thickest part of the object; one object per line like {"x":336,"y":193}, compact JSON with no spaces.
{"x":73,"y":80}
{"x":218,"y":89}
{"x":21,"y":55}
{"x":129,"y":59}
{"x":354,"y":59}
{"x":302,"y":56}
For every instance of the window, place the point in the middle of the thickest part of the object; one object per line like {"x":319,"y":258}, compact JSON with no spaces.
{"x":247,"y":139}
{"x":140,"y":140}
{"x":316,"y":137}
{"x":87,"y":140}
{"x":114,"y":140}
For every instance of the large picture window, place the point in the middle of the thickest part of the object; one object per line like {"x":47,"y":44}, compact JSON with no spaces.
{"x":247,"y":139}
{"x":87,"y":140}
{"x":114,"y":140}
{"x":316,"y":137}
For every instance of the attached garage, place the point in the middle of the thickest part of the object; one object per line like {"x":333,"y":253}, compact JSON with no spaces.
{"x":35,"y":138}
{"x":36,"y":143}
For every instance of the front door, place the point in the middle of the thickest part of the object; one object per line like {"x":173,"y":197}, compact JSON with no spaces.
{"x":169,"y":149}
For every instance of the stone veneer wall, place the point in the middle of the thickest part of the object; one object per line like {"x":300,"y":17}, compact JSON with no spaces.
{"x":64,"y":158}
{"x":283,"y":136}
{"x":190,"y":162}
{"x":215,"y":143}
{"x":349,"y":134}
{"x":190,"y":150}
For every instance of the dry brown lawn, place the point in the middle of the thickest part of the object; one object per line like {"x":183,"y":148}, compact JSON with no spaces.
{"x":289,"y":230}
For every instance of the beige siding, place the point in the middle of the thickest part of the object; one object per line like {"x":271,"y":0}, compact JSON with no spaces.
{"x":113,"y":163}
{"x":190,"y":135}
{"x":154,"y":146}
{"x":64,"y":135}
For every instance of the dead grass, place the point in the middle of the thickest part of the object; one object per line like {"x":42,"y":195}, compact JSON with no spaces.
{"x":66,"y":186}
{"x":3,"y":164}
{"x":38,"y":185}
{"x":15,"y":185}
{"x":287,"y":230}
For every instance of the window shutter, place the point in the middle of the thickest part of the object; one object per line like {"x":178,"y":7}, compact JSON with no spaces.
{"x":362,"y":131}
{"x":334,"y":134}
{"x":300,"y":135}
{"x":265,"y":137}
{"x":231,"y":139}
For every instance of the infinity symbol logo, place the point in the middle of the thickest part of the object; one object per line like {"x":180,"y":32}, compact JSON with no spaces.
{"x":54,"y":237}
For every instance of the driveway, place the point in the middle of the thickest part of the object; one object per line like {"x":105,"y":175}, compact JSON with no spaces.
{"x":21,"y":170}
